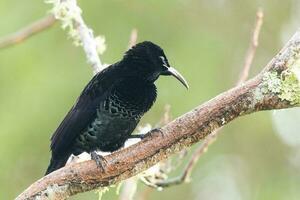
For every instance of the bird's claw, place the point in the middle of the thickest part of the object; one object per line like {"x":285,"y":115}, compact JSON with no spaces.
{"x":101,"y":162}
{"x":151,"y":133}
{"x":155,"y":131}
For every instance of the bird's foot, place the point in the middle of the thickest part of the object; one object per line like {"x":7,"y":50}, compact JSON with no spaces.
{"x":154,"y":132}
{"x":151,"y":133}
{"x":101,"y":162}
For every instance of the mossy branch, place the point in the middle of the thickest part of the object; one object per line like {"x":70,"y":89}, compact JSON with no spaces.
{"x":69,"y":14}
{"x":267,"y":91}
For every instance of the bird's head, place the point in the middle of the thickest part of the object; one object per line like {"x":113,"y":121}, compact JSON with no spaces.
{"x":149,"y":61}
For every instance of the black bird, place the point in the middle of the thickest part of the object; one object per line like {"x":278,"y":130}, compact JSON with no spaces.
{"x":111,"y":105}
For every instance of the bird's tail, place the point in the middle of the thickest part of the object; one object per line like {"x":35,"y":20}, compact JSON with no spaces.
{"x":56,"y":164}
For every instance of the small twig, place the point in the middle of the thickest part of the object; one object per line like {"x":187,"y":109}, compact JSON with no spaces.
{"x":133,"y":38}
{"x":252,"y":47}
{"x":28,"y":31}
{"x":202,"y":148}
{"x":185,"y":176}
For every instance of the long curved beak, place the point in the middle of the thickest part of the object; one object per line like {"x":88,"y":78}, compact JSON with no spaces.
{"x":172,"y":71}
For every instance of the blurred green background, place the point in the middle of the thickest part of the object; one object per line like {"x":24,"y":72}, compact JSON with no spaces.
{"x":205,"y":40}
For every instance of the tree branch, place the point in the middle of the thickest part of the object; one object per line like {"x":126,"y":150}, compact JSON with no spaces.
{"x":27,"y":32}
{"x":202,"y":148}
{"x":268,"y":90}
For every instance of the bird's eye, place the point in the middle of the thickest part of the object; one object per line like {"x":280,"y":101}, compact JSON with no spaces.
{"x":164,"y":61}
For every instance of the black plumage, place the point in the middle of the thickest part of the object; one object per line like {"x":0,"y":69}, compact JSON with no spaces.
{"x":111,"y":105}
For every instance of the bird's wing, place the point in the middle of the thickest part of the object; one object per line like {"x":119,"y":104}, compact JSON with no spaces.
{"x":83,"y":112}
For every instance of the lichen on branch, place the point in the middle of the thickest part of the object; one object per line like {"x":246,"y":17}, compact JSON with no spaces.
{"x":285,"y":84}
